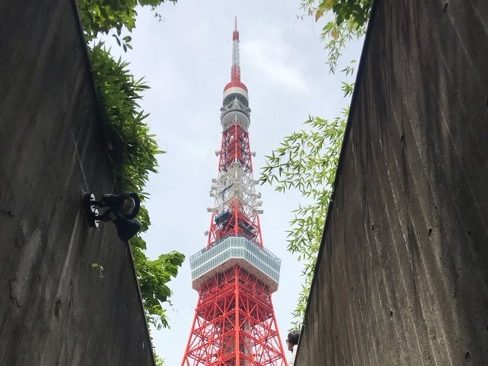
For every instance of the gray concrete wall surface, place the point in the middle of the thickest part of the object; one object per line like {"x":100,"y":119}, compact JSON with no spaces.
{"x":402,"y":274}
{"x":54,"y":308}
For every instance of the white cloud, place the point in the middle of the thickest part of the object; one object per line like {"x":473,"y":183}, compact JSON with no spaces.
{"x":275,"y":61}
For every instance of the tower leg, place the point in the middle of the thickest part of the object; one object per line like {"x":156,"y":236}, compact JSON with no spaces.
{"x":234,"y":324}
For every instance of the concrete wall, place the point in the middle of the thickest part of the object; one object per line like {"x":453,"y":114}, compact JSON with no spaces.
{"x":402,"y":275}
{"x":54,"y":308}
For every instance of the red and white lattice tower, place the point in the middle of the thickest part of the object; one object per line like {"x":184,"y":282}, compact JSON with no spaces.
{"x":234,"y":322}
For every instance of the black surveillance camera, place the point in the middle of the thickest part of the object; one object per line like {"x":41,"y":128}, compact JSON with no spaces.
{"x":121,"y":209}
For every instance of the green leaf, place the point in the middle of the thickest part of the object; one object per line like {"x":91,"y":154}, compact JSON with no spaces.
{"x":306,"y":161}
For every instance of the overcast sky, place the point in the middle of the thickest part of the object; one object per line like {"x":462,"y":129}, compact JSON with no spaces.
{"x":186,"y":59}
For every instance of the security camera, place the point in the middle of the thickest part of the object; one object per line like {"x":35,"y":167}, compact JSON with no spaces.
{"x":121,"y":209}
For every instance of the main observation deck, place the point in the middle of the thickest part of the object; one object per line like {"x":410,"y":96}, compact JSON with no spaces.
{"x":231,"y":251}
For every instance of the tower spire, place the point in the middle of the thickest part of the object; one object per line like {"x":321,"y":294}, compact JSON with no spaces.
{"x":235,"y":71}
{"x":235,"y":74}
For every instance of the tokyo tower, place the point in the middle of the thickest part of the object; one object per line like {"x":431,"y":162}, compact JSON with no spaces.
{"x":234,"y":323}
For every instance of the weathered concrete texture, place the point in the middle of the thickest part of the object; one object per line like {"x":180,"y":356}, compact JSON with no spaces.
{"x":54,"y":308}
{"x":402,"y":277}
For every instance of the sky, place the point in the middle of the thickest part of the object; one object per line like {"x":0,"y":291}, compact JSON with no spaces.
{"x":186,"y":59}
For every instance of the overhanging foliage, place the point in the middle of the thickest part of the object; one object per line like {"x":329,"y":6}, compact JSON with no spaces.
{"x":133,"y":149}
{"x":307,"y":159}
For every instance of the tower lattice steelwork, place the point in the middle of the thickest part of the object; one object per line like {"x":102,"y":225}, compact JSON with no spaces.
{"x":234,"y":323}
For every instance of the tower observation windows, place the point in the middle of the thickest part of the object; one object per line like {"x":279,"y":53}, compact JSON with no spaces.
{"x":241,"y":98}
{"x":231,"y":251}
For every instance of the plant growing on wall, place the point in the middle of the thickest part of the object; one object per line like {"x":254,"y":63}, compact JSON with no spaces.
{"x":307,"y":159}
{"x":112,"y":17}
{"x":133,"y":148}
